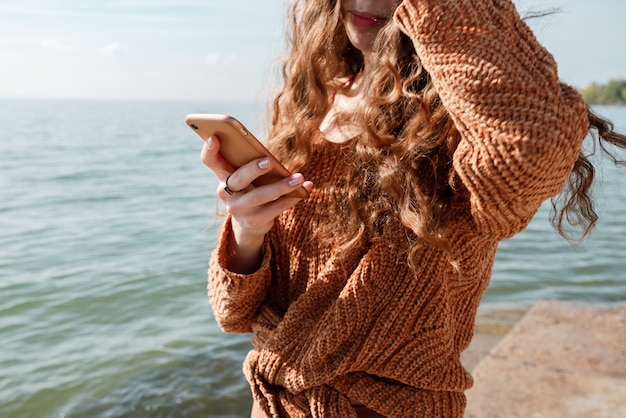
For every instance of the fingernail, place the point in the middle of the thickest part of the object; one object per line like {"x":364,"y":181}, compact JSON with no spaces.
{"x":264,"y":163}
{"x":295,"y":179}
{"x":209,"y":142}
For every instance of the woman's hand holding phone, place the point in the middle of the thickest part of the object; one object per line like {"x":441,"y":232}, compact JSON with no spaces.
{"x":252,"y":209}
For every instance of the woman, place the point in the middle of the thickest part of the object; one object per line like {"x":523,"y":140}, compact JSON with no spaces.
{"x":426,"y":132}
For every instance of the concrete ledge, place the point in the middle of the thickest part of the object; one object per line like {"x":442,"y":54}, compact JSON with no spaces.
{"x":562,"y":359}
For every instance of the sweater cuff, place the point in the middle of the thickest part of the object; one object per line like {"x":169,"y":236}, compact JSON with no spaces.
{"x":411,"y":13}
{"x":236,"y":298}
{"x":221,"y":255}
{"x":440,"y":19}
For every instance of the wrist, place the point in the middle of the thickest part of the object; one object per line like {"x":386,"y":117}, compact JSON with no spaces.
{"x":246,"y":240}
{"x":244,"y":251}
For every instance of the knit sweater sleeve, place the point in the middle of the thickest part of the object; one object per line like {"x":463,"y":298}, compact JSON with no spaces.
{"x":521,"y":129}
{"x":236,"y":298}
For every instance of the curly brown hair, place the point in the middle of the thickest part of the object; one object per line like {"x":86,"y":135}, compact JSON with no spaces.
{"x":408,"y":133}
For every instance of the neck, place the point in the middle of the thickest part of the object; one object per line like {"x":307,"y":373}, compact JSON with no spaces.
{"x":368,"y":60}
{"x":357,"y":87}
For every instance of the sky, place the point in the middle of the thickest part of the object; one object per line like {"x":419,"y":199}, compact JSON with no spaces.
{"x":226,"y":49}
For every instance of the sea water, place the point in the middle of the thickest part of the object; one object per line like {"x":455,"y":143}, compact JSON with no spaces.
{"x":106,"y":225}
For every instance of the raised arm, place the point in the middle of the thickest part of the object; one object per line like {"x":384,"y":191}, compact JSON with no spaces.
{"x":521,"y":128}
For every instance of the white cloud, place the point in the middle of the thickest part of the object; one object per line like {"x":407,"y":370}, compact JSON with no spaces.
{"x":111,"y":48}
{"x":212,"y":59}
{"x":48,"y":43}
{"x":215,"y":59}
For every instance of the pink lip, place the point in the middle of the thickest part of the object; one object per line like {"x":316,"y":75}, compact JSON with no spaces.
{"x":365,"y":20}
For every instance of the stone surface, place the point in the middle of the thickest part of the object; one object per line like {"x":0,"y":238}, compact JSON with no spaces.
{"x":562,"y":359}
{"x":493,"y":322}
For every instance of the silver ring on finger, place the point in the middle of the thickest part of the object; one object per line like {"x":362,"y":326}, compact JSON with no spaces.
{"x":227,"y":189}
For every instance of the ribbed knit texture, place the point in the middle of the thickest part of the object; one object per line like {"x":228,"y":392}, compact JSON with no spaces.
{"x":360,"y":324}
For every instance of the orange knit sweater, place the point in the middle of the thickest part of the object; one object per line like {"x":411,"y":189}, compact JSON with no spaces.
{"x":330,"y":326}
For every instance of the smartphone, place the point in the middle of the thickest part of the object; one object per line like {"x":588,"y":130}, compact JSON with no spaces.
{"x":238,"y":146}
